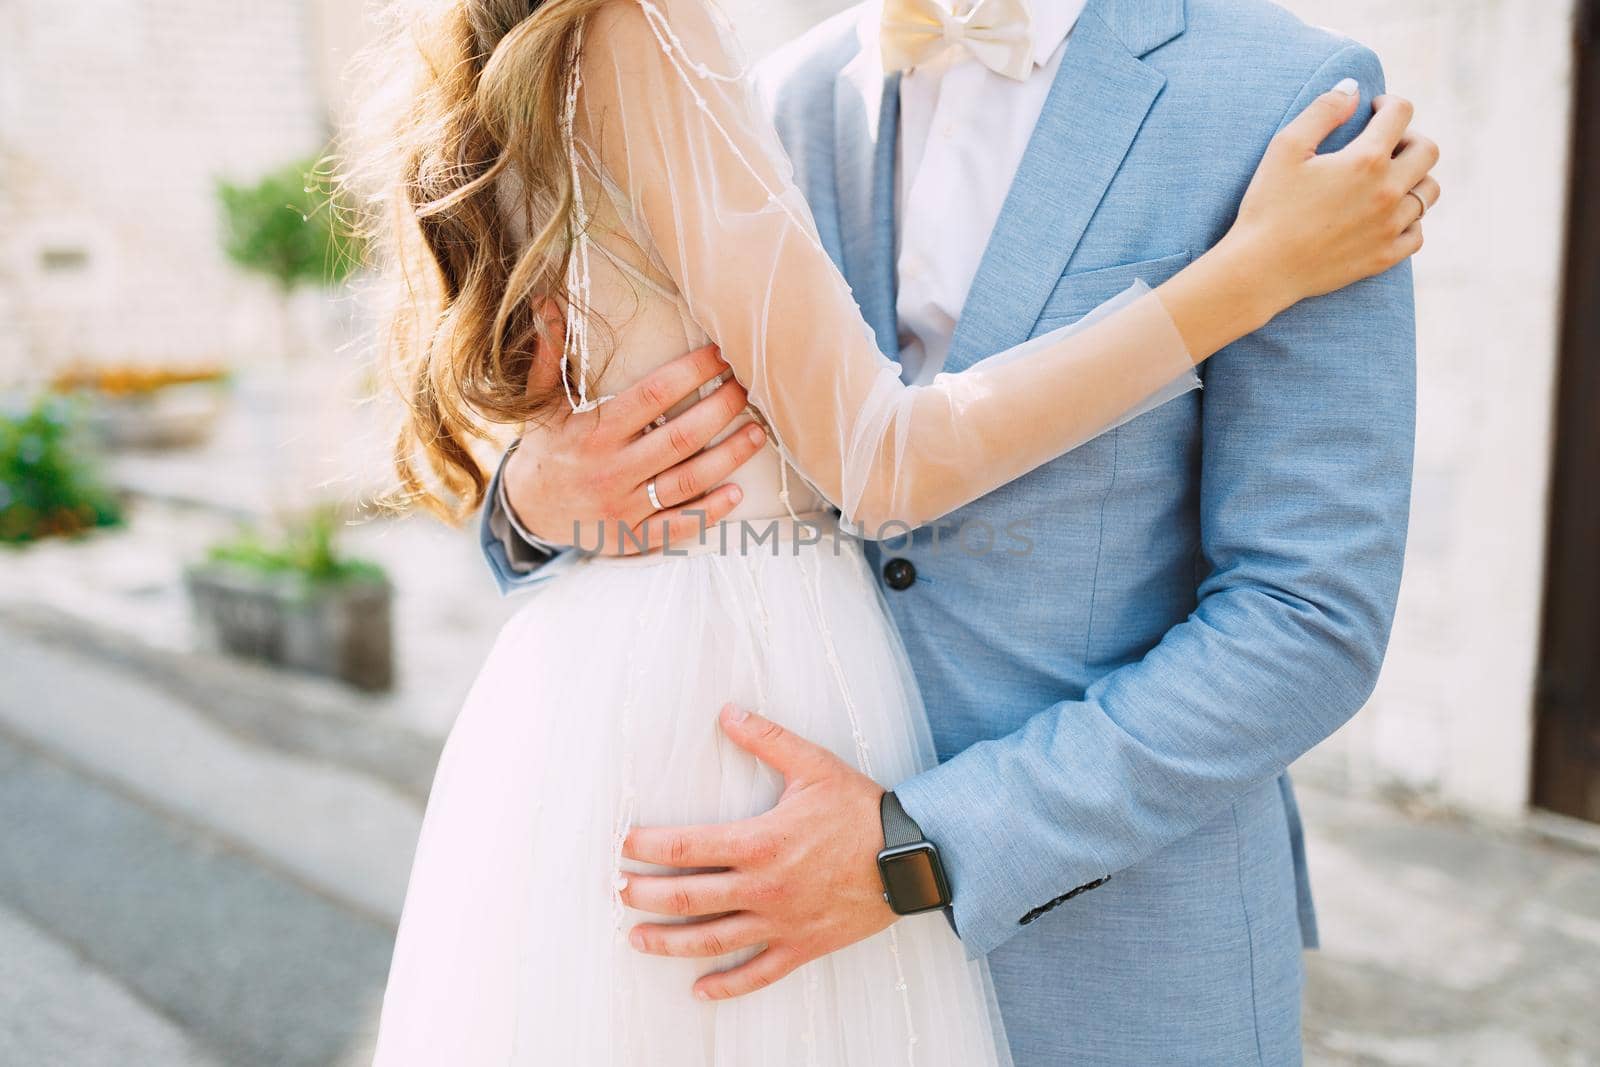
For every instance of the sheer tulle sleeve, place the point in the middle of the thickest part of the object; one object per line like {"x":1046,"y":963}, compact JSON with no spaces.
{"x":665,"y":110}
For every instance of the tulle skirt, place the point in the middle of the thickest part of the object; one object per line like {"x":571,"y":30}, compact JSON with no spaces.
{"x":597,"y":710}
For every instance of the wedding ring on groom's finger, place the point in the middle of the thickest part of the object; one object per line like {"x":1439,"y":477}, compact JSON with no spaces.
{"x":1421,"y":203}
{"x":650,"y":491}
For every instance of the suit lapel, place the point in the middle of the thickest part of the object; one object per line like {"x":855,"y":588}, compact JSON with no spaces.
{"x":866,"y":117}
{"x":1100,"y":98}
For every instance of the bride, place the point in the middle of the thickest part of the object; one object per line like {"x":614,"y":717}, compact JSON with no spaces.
{"x":605,"y":158}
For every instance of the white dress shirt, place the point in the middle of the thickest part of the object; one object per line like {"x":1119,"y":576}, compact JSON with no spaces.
{"x":963,"y":131}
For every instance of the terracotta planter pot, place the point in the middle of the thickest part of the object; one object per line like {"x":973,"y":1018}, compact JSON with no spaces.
{"x":334,"y":629}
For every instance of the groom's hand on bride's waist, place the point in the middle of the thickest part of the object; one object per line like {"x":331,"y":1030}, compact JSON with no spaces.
{"x":800,"y":879}
{"x":573,"y":472}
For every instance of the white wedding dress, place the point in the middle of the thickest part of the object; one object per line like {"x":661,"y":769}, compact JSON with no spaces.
{"x":597,"y":708}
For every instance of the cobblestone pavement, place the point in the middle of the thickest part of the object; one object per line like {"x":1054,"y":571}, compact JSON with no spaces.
{"x":177,"y":889}
{"x":1447,"y":944}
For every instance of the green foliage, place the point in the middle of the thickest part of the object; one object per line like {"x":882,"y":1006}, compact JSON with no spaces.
{"x":291,"y":226}
{"x":307,"y":550}
{"x":46,"y":488}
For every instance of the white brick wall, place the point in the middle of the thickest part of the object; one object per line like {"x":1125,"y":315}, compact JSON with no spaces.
{"x":1452,"y":716}
{"x":115,"y":119}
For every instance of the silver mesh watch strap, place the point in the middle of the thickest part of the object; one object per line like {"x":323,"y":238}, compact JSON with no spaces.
{"x":898,"y":827}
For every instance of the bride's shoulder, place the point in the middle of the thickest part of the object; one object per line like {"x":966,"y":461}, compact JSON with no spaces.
{"x":685,"y":31}
{"x":685,"y":20}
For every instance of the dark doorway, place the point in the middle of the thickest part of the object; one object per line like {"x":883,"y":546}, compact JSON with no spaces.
{"x":1566,"y":773}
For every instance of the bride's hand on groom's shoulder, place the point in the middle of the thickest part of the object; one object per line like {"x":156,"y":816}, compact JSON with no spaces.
{"x":800,"y":880}
{"x":1313,"y":222}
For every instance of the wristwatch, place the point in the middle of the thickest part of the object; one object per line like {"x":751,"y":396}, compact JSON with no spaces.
{"x":912,"y":873}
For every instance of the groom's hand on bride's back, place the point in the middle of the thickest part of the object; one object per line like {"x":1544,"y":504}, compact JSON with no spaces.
{"x":589,"y":471}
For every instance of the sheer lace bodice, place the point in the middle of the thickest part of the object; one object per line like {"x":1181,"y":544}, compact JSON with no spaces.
{"x":640,"y":320}
{"x":689,"y":225}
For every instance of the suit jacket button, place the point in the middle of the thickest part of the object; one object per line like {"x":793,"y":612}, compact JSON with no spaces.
{"x":899,"y":574}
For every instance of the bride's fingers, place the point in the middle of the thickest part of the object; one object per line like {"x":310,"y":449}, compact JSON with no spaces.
{"x":1417,"y":157}
{"x":687,"y":895}
{"x":771,"y":965}
{"x":1391,"y":116}
{"x":1318,"y":121}
{"x":1430,"y":191}
{"x":1416,"y":203}
{"x":1410,"y":242}
{"x":713,"y":937}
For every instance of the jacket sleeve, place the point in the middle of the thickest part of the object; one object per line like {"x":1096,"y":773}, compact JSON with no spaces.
{"x":514,"y":562}
{"x":1304,"y":496}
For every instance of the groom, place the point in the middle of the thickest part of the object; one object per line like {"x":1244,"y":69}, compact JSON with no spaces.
{"x":1208,"y":591}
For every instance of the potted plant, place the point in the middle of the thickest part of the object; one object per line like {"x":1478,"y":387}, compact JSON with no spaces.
{"x":148,"y":406}
{"x":297,"y":602}
{"x":292,"y":227}
{"x":46,"y":487}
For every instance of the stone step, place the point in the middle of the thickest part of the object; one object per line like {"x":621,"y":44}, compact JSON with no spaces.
{"x":187,"y":948}
{"x":346,"y":834}
{"x":61,"y":1008}
{"x":314,"y":719}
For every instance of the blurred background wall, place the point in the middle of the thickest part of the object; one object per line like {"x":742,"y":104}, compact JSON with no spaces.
{"x":116,"y":119}
{"x":1453,"y":717}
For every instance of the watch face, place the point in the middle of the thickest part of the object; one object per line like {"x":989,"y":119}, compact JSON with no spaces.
{"x":912,"y":878}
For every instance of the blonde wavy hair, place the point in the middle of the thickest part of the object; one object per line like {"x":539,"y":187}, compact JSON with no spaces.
{"x":463,"y":94}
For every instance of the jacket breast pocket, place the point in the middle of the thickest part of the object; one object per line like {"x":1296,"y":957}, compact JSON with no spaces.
{"x":1078,"y":294}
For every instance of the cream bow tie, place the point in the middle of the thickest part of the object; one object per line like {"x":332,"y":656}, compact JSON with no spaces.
{"x":998,"y":33}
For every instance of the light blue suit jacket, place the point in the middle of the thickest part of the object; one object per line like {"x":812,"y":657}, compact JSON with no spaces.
{"x":1206,"y":592}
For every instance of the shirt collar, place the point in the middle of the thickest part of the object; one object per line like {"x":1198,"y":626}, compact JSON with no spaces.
{"x":1052,"y":21}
